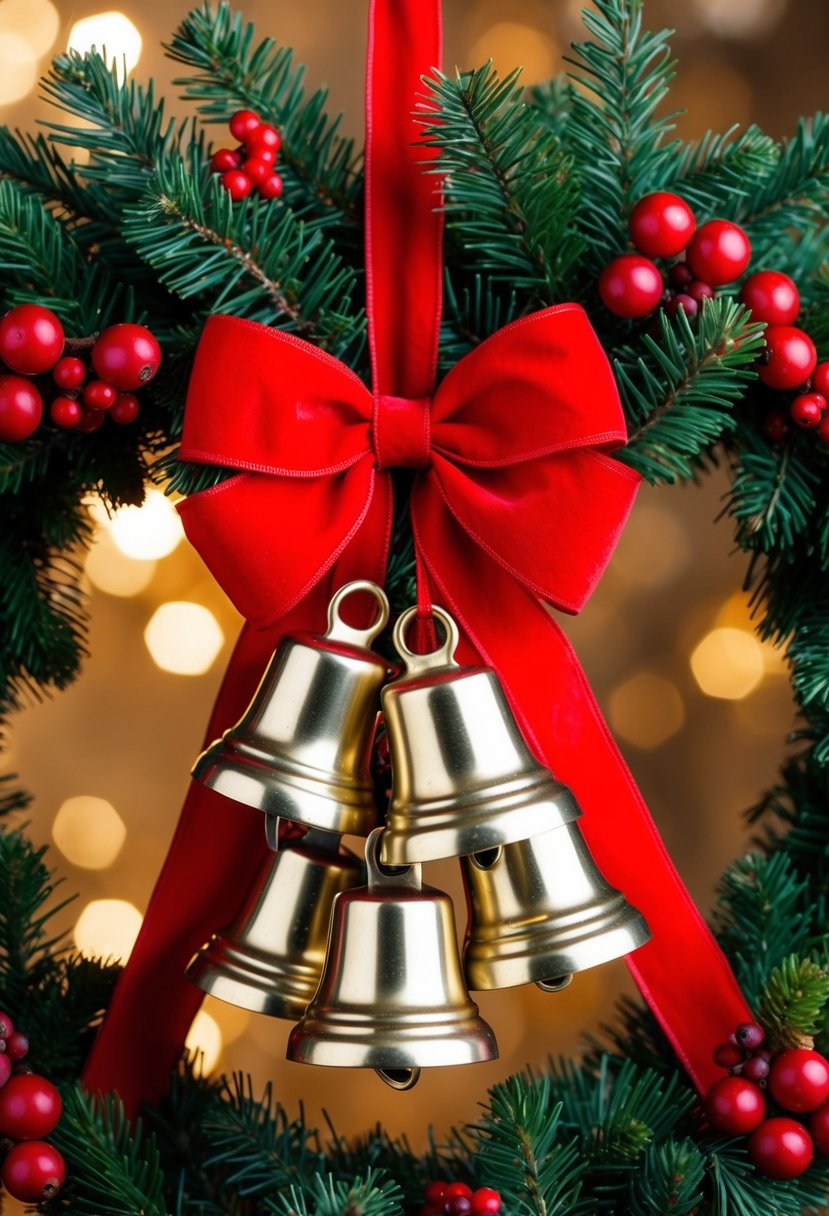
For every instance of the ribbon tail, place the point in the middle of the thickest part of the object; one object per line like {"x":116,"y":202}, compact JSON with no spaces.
{"x":682,"y":972}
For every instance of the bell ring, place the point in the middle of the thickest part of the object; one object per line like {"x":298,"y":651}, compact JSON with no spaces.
{"x":302,"y":749}
{"x":392,"y":995}
{"x":464,"y":780}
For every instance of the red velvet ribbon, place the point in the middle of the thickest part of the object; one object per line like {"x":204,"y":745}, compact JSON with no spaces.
{"x":515,"y":501}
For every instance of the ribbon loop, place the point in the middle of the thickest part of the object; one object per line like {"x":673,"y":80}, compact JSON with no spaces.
{"x":401,"y":431}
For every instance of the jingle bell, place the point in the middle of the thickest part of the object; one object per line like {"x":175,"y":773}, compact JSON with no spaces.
{"x":392,"y":995}
{"x":301,"y":751}
{"x":464,"y":780}
{"x":270,"y":959}
{"x":541,"y":910}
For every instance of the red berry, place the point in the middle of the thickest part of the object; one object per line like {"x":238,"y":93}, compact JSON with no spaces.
{"x":65,"y":412}
{"x":265,"y":136}
{"x":6,"y":1025}
{"x":435,"y":1192}
{"x":661,"y":224}
{"x":5,"y":1069}
{"x":224,"y":159}
{"x":719,"y":252}
{"x":807,"y":409}
{"x":17,"y":1045}
{"x":756,"y":1068}
{"x":727,"y":1055}
{"x":127,"y":356}
{"x":772,"y":297}
{"x":90,"y":420}
{"x":242,"y":123}
{"x":790,"y":357}
{"x":735,"y":1105}
{"x":30,"y":1107}
{"x":31,"y":339}
{"x":126,"y":409}
{"x":260,"y":151}
{"x":98,"y":395}
{"x":680,"y":274}
{"x":457,"y":1188}
{"x":458,"y":1205}
{"x":256,"y":169}
{"x":781,"y":1148}
{"x":237,"y":184}
{"x":700,"y":291}
{"x":799,"y":1079}
{"x":630,"y":286}
{"x":820,"y":380}
{"x":69,"y":372}
{"x":819,"y":1127}
{"x":33,"y":1172}
{"x":21,"y":409}
{"x":486,"y":1201}
{"x":687,"y":303}
{"x":750,"y":1036}
{"x":271,"y":187}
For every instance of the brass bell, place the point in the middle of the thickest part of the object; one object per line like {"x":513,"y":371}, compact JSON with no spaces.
{"x":301,"y":751}
{"x":270,"y":959}
{"x":464,"y":780}
{"x":541,"y":910}
{"x":392,"y":995}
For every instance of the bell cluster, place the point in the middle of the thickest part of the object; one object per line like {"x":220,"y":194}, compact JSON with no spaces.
{"x":359,"y":953}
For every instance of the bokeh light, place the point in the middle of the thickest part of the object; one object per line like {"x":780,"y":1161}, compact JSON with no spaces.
{"x":18,"y":68}
{"x":111,"y":33}
{"x":509,"y":43}
{"x":89,"y":832}
{"x":183,"y":638}
{"x":110,"y":570}
{"x":728,"y":663}
{"x":739,"y":18}
{"x":107,"y":928}
{"x":205,"y":1039}
{"x":654,"y":548}
{"x":35,"y":21}
{"x":646,"y":710}
{"x":147,"y":532}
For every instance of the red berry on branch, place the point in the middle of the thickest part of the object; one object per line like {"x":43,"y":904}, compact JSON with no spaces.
{"x":21,"y":409}
{"x":33,"y":1172}
{"x":819,"y":1128}
{"x":700,"y":291}
{"x":820,"y":380}
{"x":727,"y":1055}
{"x":260,"y":151}
{"x":242,"y":123}
{"x":6,"y":1025}
{"x":661,"y":224}
{"x":756,"y":1068}
{"x":781,"y":1148}
{"x":65,"y":412}
{"x":680,"y":274}
{"x":237,"y":184}
{"x":224,"y":159}
{"x":69,"y":372}
{"x":256,"y":169}
{"x":807,"y":409}
{"x":30,"y":1107}
{"x":17,"y":1045}
{"x":98,"y":395}
{"x":486,"y":1201}
{"x":458,"y":1205}
{"x":5,"y":1068}
{"x":789,"y":358}
{"x":687,"y":303}
{"x":750,"y":1035}
{"x":126,"y":409}
{"x":630,"y":286}
{"x":435,"y":1192}
{"x":31,"y":339}
{"x":799,"y":1080}
{"x":126,"y":356}
{"x":90,"y":420}
{"x":457,"y":1188}
{"x":271,"y":187}
{"x":719,"y":252}
{"x":735,"y":1105}
{"x":772,"y":297}
{"x":265,"y":136}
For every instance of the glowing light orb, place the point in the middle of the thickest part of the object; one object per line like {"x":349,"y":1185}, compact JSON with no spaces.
{"x":183,"y":638}
{"x":89,"y":832}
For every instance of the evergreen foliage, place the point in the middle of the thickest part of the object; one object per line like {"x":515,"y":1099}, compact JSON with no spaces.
{"x":538,"y":191}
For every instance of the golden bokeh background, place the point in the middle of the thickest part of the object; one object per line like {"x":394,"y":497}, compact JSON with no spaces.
{"x":700,"y":707}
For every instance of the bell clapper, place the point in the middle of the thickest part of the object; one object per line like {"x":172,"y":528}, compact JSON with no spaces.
{"x":555,"y":984}
{"x":399,"y":1078}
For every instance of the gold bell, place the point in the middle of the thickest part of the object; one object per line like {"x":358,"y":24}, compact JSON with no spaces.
{"x":270,"y":959}
{"x":392,"y":995}
{"x":301,"y":750}
{"x":540,"y":910}
{"x":464,"y":780}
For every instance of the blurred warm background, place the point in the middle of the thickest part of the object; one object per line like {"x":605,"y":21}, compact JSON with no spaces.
{"x":700,"y":708}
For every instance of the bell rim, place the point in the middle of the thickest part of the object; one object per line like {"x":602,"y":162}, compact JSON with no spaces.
{"x":240,"y":986}
{"x":306,"y":1045}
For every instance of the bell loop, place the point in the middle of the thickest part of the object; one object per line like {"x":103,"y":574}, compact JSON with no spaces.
{"x":340,"y":631}
{"x":401,"y":430}
{"x":443,"y":656}
{"x":400,"y":1079}
{"x":381,"y":877}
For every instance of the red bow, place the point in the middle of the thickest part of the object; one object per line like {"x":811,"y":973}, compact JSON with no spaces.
{"x":510,"y":449}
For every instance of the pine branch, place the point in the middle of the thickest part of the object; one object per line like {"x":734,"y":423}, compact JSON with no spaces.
{"x":738,"y":1190}
{"x":717,"y":173}
{"x":773,"y":491}
{"x":792,"y":1002}
{"x":668,"y":1180}
{"x":365,"y":1195}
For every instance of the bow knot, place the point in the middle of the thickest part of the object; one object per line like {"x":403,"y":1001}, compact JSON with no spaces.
{"x":401,"y":431}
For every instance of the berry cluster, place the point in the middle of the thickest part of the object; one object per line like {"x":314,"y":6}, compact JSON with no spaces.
{"x":796,"y":1082}
{"x":32,"y":345}
{"x":458,"y":1199}
{"x":251,"y":165}
{"x":30,"y":1107}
